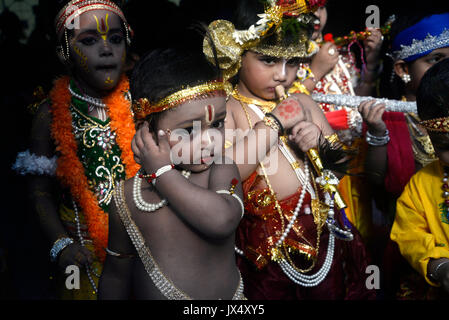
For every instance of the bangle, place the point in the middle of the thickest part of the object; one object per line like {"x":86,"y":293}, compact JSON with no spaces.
{"x":151,"y":178}
{"x":377,"y":141}
{"x":433,"y":274}
{"x":275,"y":125}
{"x":333,"y":138}
{"x":58,"y":246}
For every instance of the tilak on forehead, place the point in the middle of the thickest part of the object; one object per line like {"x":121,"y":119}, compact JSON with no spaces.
{"x":209,"y":111}
{"x":76,"y":8}
{"x":102,"y":26}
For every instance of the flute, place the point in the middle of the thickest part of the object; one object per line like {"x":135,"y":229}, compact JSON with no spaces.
{"x":354,"y":102}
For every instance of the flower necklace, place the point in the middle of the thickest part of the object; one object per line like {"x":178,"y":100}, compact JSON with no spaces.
{"x":71,"y":171}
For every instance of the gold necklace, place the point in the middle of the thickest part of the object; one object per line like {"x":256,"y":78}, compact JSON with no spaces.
{"x":265,"y":106}
{"x":279,"y":209}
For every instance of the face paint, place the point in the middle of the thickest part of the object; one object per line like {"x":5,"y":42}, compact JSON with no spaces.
{"x":109,"y":81}
{"x":103,"y":27}
{"x":83,"y":61}
{"x":284,"y":64}
{"x":103,"y":57}
{"x":209,"y":114}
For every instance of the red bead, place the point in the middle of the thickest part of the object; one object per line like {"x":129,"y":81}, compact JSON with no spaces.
{"x":445,"y":186}
{"x":446,"y":202}
{"x":234,"y":181}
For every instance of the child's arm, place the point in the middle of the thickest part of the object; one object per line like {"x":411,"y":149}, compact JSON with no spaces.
{"x":261,"y":139}
{"x":211,"y":214}
{"x":43,"y":190}
{"x":376,"y":162}
{"x":116,"y":280}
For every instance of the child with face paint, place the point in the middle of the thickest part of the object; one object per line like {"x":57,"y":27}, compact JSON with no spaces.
{"x":421,"y":224}
{"x":81,"y":140}
{"x":285,"y":249}
{"x":179,"y":214}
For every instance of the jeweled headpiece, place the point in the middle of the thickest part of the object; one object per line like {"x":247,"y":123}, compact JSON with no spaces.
{"x":278,"y":17}
{"x":436,"y":125}
{"x":143,"y":107}
{"x":76,"y":8}
{"x":420,"y":39}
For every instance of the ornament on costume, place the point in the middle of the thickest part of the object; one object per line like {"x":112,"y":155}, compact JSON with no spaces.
{"x":436,"y":125}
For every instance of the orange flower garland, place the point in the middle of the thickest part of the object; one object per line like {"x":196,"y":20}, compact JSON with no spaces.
{"x":71,"y":171}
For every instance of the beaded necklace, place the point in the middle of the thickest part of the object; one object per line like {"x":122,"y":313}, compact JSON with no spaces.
{"x":289,"y":268}
{"x":160,"y":280}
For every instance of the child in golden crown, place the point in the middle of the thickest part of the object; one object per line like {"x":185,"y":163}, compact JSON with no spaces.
{"x":81,"y":140}
{"x":294,"y":241}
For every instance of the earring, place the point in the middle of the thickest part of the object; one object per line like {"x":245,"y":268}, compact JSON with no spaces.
{"x":406,"y":78}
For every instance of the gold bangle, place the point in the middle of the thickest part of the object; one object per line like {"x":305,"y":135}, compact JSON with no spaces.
{"x":271,"y":122}
{"x":333,"y":138}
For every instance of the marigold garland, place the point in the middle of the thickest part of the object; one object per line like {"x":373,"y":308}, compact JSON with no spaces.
{"x":71,"y":171}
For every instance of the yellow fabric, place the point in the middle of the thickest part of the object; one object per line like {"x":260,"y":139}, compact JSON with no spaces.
{"x":421,"y":228}
{"x":85,"y":292}
{"x":353,"y":190}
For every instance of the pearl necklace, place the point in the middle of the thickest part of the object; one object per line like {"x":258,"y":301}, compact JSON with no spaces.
{"x":138,"y":199}
{"x":92,"y":102}
{"x":82,"y":242}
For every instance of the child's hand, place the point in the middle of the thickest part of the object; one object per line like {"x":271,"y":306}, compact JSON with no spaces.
{"x":325,"y":60}
{"x":151,"y":155}
{"x":306,"y":135}
{"x":372,"y":115}
{"x":373,"y":44}
{"x":289,"y":112}
{"x":74,"y":254}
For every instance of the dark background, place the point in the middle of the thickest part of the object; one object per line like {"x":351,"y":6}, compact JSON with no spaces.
{"x":24,"y":262}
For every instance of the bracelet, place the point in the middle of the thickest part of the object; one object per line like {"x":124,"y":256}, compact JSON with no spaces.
{"x":275,"y":125}
{"x":377,"y":141}
{"x":151,"y":178}
{"x":235,"y":196}
{"x":58,"y":246}
{"x":433,"y":274}
{"x":333,"y":138}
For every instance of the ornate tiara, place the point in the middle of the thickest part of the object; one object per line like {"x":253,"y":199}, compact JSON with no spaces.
{"x":143,"y":107}
{"x":420,"y":46}
{"x":75,"y":8}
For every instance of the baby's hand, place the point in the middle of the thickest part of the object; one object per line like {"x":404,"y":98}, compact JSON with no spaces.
{"x":372,"y":115}
{"x":151,"y":155}
{"x":373,"y":44}
{"x":305,"y":135}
